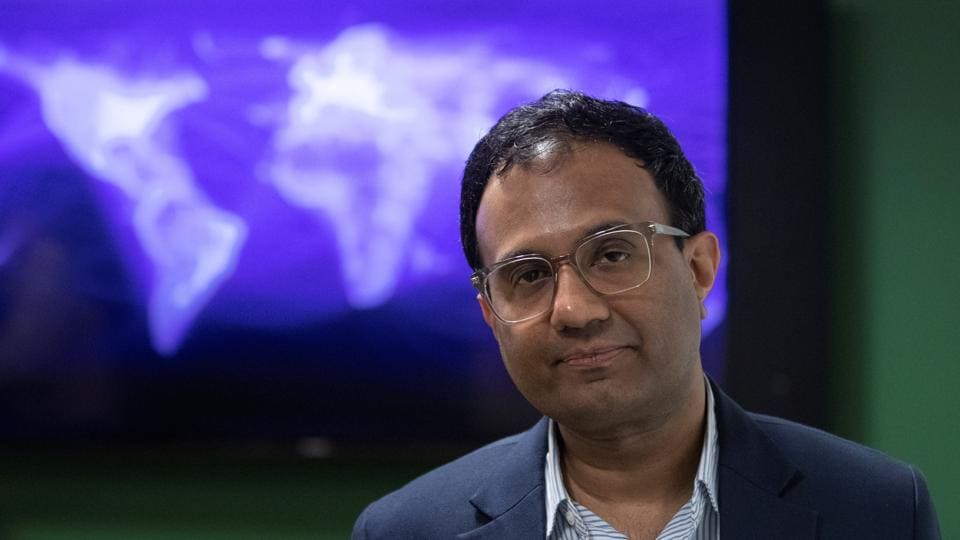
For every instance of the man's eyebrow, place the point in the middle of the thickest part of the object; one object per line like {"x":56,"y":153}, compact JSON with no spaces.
{"x":589,"y":232}
{"x":602,"y":227}
{"x":519,"y":252}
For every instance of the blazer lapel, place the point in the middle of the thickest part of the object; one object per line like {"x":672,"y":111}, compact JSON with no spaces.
{"x":753,"y":476}
{"x":512,"y":498}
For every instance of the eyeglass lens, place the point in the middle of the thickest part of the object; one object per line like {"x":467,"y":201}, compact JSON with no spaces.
{"x":609,"y":263}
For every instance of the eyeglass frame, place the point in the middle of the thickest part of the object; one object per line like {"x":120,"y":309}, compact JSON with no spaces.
{"x":648,"y":229}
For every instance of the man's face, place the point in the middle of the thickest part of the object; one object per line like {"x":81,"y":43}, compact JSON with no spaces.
{"x":596,"y":363}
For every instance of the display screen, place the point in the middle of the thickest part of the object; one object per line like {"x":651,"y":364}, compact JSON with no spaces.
{"x":240,"y":220}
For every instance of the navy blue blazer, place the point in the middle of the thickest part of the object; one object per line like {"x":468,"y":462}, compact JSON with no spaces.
{"x":777,"y":479}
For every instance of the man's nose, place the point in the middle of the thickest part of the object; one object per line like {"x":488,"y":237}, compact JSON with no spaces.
{"x":575,"y":305}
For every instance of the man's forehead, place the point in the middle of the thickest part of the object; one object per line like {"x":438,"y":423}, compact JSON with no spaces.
{"x":595,"y":188}
{"x":548,"y":154}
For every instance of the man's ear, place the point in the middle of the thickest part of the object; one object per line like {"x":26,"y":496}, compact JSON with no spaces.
{"x":488,"y":315}
{"x":703,"y":258}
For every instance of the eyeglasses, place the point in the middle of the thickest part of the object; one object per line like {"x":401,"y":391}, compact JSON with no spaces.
{"x":609,"y":262}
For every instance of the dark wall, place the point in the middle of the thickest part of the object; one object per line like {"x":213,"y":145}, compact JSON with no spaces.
{"x":777,"y":209}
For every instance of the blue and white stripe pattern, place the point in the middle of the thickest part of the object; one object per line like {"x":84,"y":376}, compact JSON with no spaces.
{"x":698,"y":519}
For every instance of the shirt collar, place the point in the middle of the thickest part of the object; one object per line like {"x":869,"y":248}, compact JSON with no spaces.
{"x":707,"y":470}
{"x":556,"y":492}
{"x":706,"y":478}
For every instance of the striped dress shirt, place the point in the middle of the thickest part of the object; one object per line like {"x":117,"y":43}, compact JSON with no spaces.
{"x":697,"y":519}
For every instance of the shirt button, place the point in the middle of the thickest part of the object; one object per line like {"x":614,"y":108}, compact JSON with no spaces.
{"x":569,"y":515}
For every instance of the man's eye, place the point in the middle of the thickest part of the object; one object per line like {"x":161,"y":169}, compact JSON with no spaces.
{"x":612,"y":256}
{"x":528,"y":275}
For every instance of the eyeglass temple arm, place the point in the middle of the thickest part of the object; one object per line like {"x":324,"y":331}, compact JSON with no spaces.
{"x":477,"y":281}
{"x":660,"y":228}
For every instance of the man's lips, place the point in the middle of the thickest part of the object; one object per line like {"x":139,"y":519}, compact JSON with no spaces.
{"x":593,"y":358}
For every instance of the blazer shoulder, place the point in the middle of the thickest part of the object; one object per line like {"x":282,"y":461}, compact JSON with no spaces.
{"x":805,"y":446}
{"x":844,"y":479}
{"x":437,"y":503}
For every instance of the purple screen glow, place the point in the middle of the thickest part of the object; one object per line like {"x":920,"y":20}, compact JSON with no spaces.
{"x":289,"y":166}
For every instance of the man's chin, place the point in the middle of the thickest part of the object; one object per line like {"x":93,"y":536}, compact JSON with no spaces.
{"x":595,"y":415}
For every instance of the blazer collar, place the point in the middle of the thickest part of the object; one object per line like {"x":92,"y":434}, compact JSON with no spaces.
{"x":512,"y":496}
{"x":754,"y":475}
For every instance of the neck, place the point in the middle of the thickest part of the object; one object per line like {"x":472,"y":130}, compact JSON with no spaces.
{"x":652,"y":462}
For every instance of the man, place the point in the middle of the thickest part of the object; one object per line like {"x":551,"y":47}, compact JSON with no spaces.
{"x":585,"y":226}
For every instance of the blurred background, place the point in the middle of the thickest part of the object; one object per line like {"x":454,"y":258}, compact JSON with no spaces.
{"x":232,"y":298}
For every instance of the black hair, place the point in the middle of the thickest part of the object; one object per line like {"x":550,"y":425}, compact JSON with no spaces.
{"x":550,"y":126}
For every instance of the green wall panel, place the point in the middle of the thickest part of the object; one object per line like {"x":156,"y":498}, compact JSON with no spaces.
{"x":896,"y":138}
